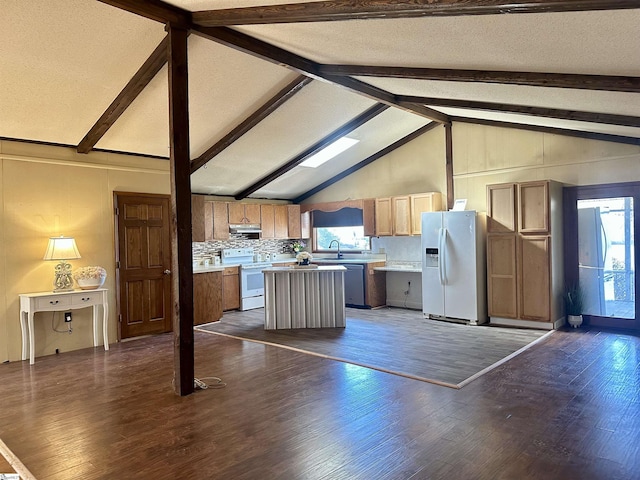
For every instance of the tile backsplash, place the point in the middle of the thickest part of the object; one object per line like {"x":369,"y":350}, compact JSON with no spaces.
{"x":212,"y":248}
{"x":398,"y":249}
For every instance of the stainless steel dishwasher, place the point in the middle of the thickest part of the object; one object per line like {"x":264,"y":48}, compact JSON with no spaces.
{"x":354,"y":285}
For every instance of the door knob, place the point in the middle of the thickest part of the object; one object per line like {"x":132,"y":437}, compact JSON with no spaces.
{"x":167,"y":272}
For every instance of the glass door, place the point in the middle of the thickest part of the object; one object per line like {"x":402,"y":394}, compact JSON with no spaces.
{"x":600,"y":251}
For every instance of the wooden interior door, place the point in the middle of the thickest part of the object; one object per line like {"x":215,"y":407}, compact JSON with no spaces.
{"x":143,"y":262}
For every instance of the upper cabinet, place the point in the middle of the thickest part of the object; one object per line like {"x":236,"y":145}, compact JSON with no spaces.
{"x":267,"y":213}
{"x":501,"y":208}
{"x":384,"y":217}
{"x":533,"y":207}
{"x":401,"y":211}
{"x":518,"y":207}
{"x":402,"y":215}
{"x":294,"y":222}
{"x":219,"y":218}
{"x":281,"y":221}
{"x":209,"y":220}
{"x":423,"y":202}
{"x":244,"y":213}
{"x":197,"y":218}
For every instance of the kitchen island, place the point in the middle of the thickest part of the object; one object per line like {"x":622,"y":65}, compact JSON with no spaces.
{"x":311,"y":297}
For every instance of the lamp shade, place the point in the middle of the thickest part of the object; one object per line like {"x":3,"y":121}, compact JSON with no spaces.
{"x":61,"y":248}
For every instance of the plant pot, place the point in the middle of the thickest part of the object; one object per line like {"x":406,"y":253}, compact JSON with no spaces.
{"x":574,"y":320}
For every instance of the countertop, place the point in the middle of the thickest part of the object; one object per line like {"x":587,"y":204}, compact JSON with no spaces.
{"x":407,"y":267}
{"x":320,"y":268}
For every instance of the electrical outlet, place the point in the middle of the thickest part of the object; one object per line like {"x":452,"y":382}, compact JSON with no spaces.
{"x":67,"y":316}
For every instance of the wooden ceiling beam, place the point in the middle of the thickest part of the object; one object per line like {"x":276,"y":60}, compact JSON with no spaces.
{"x":603,"y":137}
{"x":265,"y":51}
{"x":388,"y":98}
{"x":340,"y":10}
{"x":329,"y":139}
{"x":578,"y":116}
{"x":251,"y":121}
{"x":372,"y":158}
{"x":129,"y":93}
{"x":533,"y":79}
{"x":154,"y":10}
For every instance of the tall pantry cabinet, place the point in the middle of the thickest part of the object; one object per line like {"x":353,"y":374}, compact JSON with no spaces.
{"x":525,"y":274}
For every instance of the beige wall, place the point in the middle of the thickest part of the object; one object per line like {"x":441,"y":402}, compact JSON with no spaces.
{"x":48,"y":191}
{"x":416,"y":167}
{"x":483,"y":155}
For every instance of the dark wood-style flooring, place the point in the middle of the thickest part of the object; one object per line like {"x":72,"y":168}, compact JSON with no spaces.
{"x":567,"y":408}
{"x":394,"y":340}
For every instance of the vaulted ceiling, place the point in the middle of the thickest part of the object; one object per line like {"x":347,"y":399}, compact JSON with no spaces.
{"x":271,"y":84}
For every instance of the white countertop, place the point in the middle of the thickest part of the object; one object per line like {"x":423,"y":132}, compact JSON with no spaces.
{"x":210,"y":268}
{"x":320,"y":268}
{"x":407,"y":267}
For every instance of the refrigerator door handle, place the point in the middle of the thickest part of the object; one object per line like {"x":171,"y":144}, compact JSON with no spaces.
{"x":441,"y":273}
{"x":443,"y":255}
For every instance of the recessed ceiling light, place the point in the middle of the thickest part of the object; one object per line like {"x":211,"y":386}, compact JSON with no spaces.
{"x":329,"y":152}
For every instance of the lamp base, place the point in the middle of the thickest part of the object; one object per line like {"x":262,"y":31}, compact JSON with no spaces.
{"x":63,"y":281}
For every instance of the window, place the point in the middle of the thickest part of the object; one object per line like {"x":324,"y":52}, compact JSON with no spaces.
{"x":344,"y":225}
{"x":350,"y":238}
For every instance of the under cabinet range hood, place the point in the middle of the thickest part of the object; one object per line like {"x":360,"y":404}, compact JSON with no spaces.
{"x":252,"y":230}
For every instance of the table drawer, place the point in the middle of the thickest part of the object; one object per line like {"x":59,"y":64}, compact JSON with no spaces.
{"x":86,"y":298}
{"x":54,"y":302}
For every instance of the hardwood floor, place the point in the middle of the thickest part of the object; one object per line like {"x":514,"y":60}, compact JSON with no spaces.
{"x":394,"y":340}
{"x":567,"y":408}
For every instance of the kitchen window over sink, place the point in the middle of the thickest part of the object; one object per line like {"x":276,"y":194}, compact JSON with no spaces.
{"x":345,"y":226}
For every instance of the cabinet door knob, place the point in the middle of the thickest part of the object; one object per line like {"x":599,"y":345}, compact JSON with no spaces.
{"x":167,"y":272}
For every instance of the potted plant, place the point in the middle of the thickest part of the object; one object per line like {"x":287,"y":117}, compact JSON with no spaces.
{"x":574,"y":302}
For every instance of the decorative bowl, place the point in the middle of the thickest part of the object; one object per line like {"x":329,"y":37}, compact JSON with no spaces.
{"x":90,"y":278}
{"x":90,"y":283}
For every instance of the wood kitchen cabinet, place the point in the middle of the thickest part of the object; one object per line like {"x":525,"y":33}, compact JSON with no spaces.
{"x":281,"y":221}
{"x":423,"y":202}
{"x":197,"y":218}
{"x":525,"y":274}
{"x":293,"y":221}
{"x":244,"y":213}
{"x":267,"y":222}
{"x":207,"y":297}
{"x":384,"y":217}
{"x":230,"y":288}
{"x":402,"y":215}
{"x":217,"y":213}
{"x":401,"y":212}
{"x":375,"y":285}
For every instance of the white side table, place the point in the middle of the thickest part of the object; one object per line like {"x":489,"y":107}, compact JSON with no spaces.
{"x":30,"y":303}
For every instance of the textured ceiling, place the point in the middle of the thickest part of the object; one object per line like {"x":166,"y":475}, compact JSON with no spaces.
{"x":62,"y":62}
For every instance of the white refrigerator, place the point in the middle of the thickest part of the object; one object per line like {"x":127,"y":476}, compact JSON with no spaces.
{"x":454,"y":266}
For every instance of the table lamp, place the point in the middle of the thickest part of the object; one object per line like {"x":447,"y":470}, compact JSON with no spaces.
{"x":62,"y":248}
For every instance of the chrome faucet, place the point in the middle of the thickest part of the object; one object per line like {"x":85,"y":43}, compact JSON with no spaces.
{"x":337,"y":242}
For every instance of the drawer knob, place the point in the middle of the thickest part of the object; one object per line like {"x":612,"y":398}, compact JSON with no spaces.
{"x":86,"y":299}
{"x":53,"y":302}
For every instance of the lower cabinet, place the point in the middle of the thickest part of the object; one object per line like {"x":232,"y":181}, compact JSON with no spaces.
{"x":375,"y":285}
{"x":230,"y":288}
{"x":207,"y":297}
